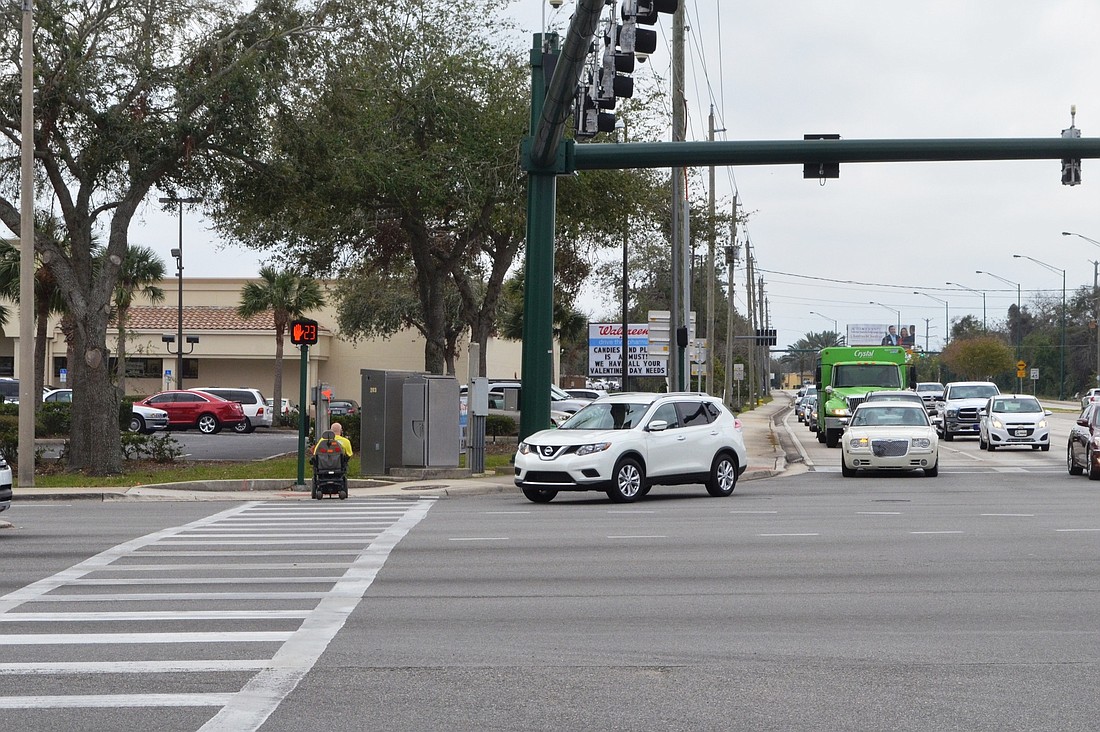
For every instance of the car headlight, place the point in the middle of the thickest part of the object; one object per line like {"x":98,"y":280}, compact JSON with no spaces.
{"x":1042,"y":424}
{"x":997,"y":423}
{"x":952,"y":412}
{"x":524,"y":448}
{"x":594,"y":447}
{"x":838,"y":412}
{"x":922,"y":442}
{"x":859,"y":443}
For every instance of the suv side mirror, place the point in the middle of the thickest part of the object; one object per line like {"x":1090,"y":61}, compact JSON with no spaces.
{"x":658,"y":425}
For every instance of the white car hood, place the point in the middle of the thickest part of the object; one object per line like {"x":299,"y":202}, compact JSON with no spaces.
{"x":963,"y":403}
{"x":573,"y":437}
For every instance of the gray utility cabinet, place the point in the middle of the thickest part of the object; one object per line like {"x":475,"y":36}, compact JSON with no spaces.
{"x":414,"y":427}
{"x":431,"y":436}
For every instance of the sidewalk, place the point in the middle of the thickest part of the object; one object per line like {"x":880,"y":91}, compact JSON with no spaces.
{"x":762,"y":442}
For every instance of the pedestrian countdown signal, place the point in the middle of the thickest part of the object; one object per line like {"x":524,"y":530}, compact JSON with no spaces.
{"x":303,"y":332}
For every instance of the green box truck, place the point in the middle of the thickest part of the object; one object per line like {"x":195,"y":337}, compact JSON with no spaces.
{"x":843,"y":375}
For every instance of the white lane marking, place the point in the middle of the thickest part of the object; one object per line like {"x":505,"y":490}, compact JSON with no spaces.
{"x":115,"y":700}
{"x":112,"y":700}
{"x":505,"y":513}
{"x":240,"y":542}
{"x":132,"y":667}
{"x":754,"y":511}
{"x":1076,"y":530}
{"x":188,"y":596}
{"x":300,"y":535}
{"x":478,"y":538}
{"x":274,"y":566}
{"x":148,"y":581}
{"x":153,"y":554}
{"x":1010,"y":470}
{"x":630,"y":512}
{"x":803,"y":534}
{"x":249,"y":708}
{"x":878,"y":513}
{"x":49,"y":639}
{"x":935,"y":532}
{"x":638,"y":536}
{"x":76,"y":617}
{"x":1021,"y":515}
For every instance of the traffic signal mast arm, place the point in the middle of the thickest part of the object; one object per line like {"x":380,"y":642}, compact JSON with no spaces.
{"x":781,"y":152}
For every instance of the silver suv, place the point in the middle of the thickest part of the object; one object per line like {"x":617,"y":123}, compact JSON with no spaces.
{"x":256,"y":411}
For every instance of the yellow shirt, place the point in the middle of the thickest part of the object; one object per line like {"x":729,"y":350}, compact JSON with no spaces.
{"x":345,"y":443}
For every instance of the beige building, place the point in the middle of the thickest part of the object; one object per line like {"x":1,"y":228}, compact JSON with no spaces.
{"x":235,"y":351}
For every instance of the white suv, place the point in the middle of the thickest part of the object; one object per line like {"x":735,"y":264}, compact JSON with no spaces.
{"x":256,"y":411}
{"x":624,"y":443}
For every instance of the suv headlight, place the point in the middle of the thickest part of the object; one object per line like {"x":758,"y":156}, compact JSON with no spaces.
{"x":594,"y":447}
{"x":952,"y":412}
{"x":524,"y":448}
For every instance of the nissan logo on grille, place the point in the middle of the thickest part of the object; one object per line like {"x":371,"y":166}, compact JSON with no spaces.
{"x":547,"y":450}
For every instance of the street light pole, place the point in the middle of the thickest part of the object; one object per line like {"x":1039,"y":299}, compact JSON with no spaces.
{"x":1019,"y":379}
{"x":836,"y":328}
{"x":1095,"y":300}
{"x":178,"y":254}
{"x":1062,"y":381}
{"x":896,"y":312}
{"x":980,"y":292}
{"x":946,"y":315}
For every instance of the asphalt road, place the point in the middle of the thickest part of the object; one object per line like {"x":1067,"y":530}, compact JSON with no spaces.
{"x":805,"y":602}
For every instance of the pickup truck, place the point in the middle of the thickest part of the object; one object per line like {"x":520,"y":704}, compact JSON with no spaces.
{"x":960,"y":408}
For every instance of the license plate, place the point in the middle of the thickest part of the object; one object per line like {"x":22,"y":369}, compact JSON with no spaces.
{"x":1021,"y":433}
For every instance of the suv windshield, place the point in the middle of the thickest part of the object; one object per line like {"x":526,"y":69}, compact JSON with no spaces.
{"x":866,"y":374}
{"x":606,"y":416}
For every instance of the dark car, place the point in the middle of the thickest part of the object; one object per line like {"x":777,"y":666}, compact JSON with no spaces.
{"x":1080,"y":455}
{"x":340,"y":407}
{"x":187,"y":409}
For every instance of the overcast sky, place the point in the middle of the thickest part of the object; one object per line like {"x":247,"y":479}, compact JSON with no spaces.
{"x":864,"y":70}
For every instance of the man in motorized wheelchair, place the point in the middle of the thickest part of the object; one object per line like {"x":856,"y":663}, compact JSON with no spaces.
{"x":330,"y":467}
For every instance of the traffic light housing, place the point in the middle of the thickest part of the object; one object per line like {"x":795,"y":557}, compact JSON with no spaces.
{"x":607,"y":75}
{"x":1071,"y":167}
{"x":642,"y":41}
{"x":303,"y":332}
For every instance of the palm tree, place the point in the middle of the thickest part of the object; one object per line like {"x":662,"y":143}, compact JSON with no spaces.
{"x":141,"y":269}
{"x":289,"y":295}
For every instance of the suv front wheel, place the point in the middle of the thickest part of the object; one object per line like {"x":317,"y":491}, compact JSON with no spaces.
{"x":723,"y":476}
{"x":628,"y":482}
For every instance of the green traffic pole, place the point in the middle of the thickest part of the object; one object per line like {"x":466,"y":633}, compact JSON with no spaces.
{"x":538,"y":277}
{"x":303,"y":415}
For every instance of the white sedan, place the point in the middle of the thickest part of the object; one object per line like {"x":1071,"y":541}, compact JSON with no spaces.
{"x":890,"y":435}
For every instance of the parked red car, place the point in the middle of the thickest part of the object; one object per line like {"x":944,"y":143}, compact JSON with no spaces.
{"x":187,"y":409}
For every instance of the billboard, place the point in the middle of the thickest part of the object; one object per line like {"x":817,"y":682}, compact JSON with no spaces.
{"x":881,"y":334}
{"x":605,"y":351}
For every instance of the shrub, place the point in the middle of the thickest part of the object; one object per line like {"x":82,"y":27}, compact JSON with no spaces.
{"x":54,"y":419}
{"x":500,"y":425}
{"x":160,"y":447}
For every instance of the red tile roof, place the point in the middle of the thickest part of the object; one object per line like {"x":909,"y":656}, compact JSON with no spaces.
{"x":197,"y":318}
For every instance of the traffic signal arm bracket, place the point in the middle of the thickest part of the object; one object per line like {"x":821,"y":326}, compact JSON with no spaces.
{"x":564,"y":162}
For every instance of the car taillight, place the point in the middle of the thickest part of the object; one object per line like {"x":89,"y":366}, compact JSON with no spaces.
{"x":737,"y":424}
{"x":260,"y":411}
